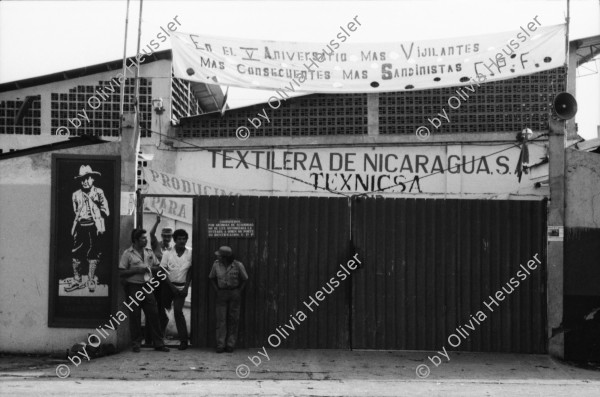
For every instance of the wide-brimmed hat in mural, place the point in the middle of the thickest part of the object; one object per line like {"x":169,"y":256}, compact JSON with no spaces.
{"x":86,"y":170}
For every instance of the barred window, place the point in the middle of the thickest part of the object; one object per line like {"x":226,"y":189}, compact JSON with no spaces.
{"x":502,"y":106}
{"x":105,"y":97}
{"x":311,"y":115}
{"x":183,"y":101}
{"x":30,"y":120}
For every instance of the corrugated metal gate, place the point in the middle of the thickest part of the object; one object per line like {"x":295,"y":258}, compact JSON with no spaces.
{"x":298,"y":245}
{"x":430,"y":264}
{"x":427,"y":266}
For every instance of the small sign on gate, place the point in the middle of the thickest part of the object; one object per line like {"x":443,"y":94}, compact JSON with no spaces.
{"x":556,"y":233}
{"x":240,"y":228}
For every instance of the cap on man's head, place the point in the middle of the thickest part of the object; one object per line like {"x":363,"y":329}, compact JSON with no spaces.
{"x":167,"y":231}
{"x":224,"y":251}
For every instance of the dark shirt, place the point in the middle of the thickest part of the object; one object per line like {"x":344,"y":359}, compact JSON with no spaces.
{"x":228,"y":276}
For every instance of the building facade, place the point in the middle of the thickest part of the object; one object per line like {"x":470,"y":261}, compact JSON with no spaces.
{"x":439,"y":223}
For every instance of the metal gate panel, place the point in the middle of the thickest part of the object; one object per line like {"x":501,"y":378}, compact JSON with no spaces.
{"x":299,"y":243}
{"x":429,"y":264}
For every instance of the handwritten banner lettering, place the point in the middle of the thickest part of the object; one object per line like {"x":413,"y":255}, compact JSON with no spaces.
{"x":348,"y":67}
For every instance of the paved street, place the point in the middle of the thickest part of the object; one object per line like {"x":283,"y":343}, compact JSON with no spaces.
{"x":298,"y":372}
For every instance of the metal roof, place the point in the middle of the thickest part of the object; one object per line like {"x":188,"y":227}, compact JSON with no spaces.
{"x":587,"y":48}
{"x":77,"y":141}
{"x":210,"y":97}
{"x":79,"y":72}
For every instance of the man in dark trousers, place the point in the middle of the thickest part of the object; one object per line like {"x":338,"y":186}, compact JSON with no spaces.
{"x":178,"y":263}
{"x":160,"y":248}
{"x":228,"y":277}
{"x":135,"y":267}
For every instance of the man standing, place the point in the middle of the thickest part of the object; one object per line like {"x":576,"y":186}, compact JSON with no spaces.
{"x":230,"y":280}
{"x":177,"y":263}
{"x":136,"y":267}
{"x":159,"y":248}
{"x":90,"y":207}
{"x":166,"y":243}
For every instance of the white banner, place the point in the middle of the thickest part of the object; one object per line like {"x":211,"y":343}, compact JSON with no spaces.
{"x":346,"y":67}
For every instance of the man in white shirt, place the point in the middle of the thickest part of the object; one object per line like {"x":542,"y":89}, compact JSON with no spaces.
{"x":178,"y":262}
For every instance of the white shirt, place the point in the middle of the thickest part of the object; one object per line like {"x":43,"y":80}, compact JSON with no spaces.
{"x":177,"y":266}
{"x":159,"y":250}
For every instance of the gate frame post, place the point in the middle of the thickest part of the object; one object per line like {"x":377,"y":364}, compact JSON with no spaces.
{"x":556,"y":217}
{"x":129,"y":147}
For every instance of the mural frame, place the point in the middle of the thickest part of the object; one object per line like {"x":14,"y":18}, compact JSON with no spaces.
{"x":78,"y":239}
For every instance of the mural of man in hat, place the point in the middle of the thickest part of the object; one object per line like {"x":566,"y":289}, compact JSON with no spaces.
{"x":91,"y":208}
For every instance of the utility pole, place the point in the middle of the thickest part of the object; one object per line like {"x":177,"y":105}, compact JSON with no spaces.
{"x":137,"y":74}
{"x":556,"y":218}
{"x":129,"y":146}
{"x":122,"y":101}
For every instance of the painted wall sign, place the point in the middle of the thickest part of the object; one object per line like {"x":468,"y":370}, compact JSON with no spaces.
{"x":556,"y":233}
{"x":444,"y":171}
{"x":85,"y":239}
{"x":338,"y":66}
{"x":427,"y":171}
{"x":180,"y":209}
{"x":240,"y":228}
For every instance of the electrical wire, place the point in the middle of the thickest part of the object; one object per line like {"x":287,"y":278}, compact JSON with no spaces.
{"x":315,"y":185}
{"x":442,"y":170}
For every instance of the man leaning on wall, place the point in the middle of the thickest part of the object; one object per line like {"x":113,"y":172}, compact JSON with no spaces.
{"x":135,"y":267}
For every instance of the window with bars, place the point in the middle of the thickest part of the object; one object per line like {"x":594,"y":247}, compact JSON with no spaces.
{"x":317,"y":114}
{"x":503,"y":106}
{"x":30,"y":120}
{"x":104,"y":120}
{"x":183,"y":101}
{"x":141,"y":182}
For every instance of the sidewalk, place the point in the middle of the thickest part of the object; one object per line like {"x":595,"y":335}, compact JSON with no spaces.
{"x":309,"y":370}
{"x":300,"y":365}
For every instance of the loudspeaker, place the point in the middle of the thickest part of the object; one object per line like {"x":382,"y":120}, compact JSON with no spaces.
{"x":565,"y":106}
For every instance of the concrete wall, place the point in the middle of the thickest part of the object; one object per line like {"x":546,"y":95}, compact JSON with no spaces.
{"x":583,"y":189}
{"x":582,"y":249}
{"x":25,"y":190}
{"x":582,"y":225}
